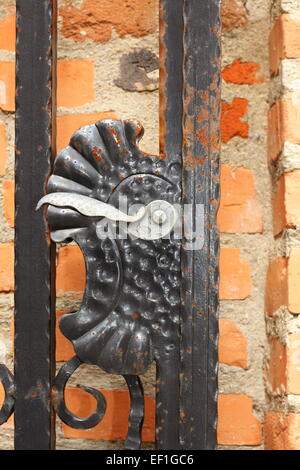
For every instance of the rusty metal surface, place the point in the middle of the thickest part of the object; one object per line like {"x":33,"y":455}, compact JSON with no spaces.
{"x":34,"y":255}
{"x":200,"y":181}
{"x":129,"y":314}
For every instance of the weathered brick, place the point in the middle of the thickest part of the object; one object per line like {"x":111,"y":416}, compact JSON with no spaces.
{"x":64,"y":347}
{"x":231,"y":123}
{"x":276,"y":292}
{"x":7,"y":86}
{"x":2,"y":149}
{"x":283,"y":124}
{"x":277,"y":365}
{"x":69,"y":123}
{"x":233,"y":14}
{"x":236,"y":423}
{"x":282,"y":432}
{"x":75,"y":82}
{"x":6,"y":267}
{"x":243,"y":73}
{"x":9,"y":202}
{"x":97,"y":20}
{"x":284,"y":40}
{"x":232,"y":344}
{"x":114,"y":425}
{"x":235,"y":275}
{"x":294,"y":280}
{"x":70,"y":276}
{"x":8,"y":33}
{"x":286,"y":208}
{"x":239,"y":211}
{"x":293,"y":363}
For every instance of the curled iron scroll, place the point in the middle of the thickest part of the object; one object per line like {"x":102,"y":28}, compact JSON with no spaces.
{"x":7,"y":380}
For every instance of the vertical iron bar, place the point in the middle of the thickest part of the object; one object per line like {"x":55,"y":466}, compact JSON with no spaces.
{"x":34,"y":253}
{"x":171,"y":59}
{"x":199,"y":323}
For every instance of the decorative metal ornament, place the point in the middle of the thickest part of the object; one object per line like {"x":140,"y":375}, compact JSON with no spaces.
{"x":130,"y":310}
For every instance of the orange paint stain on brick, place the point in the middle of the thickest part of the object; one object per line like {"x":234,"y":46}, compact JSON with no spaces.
{"x":283,"y":124}
{"x":8,"y":33}
{"x":70,"y":275}
{"x":236,"y":424}
{"x":243,"y":73}
{"x":232,"y":344}
{"x":239,"y":211}
{"x":7,"y":86}
{"x":64,"y":347}
{"x":284,"y":40}
{"x":286,"y":208}
{"x":97,"y":20}
{"x":235,"y":275}
{"x":6,"y":267}
{"x":114,"y":425}
{"x":67,"y":124}
{"x":9,"y":202}
{"x":294,"y":280}
{"x":2,"y":149}
{"x":277,"y":365}
{"x":282,"y":432}
{"x":276,"y":291}
{"x":75,"y":82}
{"x":231,"y":123}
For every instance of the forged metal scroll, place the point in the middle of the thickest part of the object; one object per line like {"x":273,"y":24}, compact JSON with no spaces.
{"x":7,"y":380}
{"x":130,"y":310}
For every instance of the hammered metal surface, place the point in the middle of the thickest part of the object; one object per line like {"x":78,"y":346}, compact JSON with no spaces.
{"x":131,"y":302}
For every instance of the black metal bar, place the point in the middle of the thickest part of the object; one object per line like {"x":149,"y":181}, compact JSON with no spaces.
{"x":201,"y":100}
{"x":34,"y":254}
{"x":171,"y":78}
{"x":171,"y":82}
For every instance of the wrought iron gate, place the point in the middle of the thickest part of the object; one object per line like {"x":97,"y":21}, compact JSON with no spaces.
{"x":180,"y":274}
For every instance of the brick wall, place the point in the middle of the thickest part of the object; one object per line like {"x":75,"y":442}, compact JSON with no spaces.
{"x":108,"y":67}
{"x":282,"y":299}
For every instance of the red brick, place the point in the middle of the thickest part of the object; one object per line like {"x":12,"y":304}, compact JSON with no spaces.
{"x":286,"y":208}
{"x":282,"y":432}
{"x":277,"y":365}
{"x":6,"y":267}
{"x":239,"y":211}
{"x":97,"y":20}
{"x":283,"y":124}
{"x":294,"y":280}
{"x":69,"y":123}
{"x":276,"y":285}
{"x":236,"y":423}
{"x":9,"y":202}
{"x":293,"y":363}
{"x":2,"y":149}
{"x":8,"y":33}
{"x":114,"y":425}
{"x":233,"y":14}
{"x":235,"y":275}
{"x":243,"y":73}
{"x":232,"y":344}
{"x":75,"y":85}
{"x":231,"y":123}
{"x":7,"y":86}
{"x":70,"y":275}
{"x":64,"y":347}
{"x":284,"y":40}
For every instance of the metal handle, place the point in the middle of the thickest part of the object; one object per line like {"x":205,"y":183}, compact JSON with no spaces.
{"x":154,"y":221}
